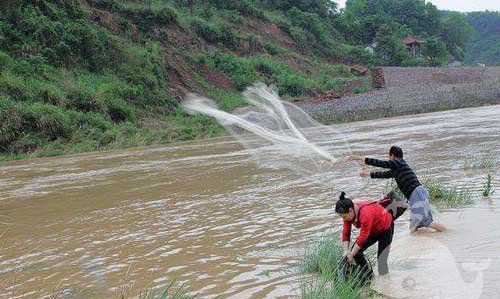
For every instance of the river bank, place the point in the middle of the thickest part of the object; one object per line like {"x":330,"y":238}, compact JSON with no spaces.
{"x":407,"y":91}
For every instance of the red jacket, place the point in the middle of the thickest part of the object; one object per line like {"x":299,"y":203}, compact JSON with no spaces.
{"x":372,"y":221}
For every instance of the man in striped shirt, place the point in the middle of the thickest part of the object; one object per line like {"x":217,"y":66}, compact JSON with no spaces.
{"x":408,"y":183}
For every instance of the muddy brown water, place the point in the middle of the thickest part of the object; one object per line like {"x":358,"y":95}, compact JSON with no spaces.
{"x":203,"y":213}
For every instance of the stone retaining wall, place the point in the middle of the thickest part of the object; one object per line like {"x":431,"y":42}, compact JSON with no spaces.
{"x":414,"y":90}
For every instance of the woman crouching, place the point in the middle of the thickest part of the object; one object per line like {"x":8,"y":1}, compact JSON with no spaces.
{"x":376,"y":224}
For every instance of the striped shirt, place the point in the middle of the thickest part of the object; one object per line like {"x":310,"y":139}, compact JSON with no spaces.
{"x":405,"y":177}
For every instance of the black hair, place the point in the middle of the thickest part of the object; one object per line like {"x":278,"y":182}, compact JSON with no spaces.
{"x":396,"y":151}
{"x":343,"y":204}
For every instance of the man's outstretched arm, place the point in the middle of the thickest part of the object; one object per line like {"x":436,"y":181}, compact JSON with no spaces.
{"x":382,"y":174}
{"x":377,"y":174}
{"x":393,"y":164}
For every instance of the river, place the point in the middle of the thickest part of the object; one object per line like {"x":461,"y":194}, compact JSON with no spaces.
{"x":102,"y":224}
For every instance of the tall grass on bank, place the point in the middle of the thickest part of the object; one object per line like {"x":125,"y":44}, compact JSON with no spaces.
{"x":323,"y":259}
{"x":448,"y":197}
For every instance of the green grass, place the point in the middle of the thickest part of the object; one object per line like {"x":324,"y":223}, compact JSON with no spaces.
{"x":70,"y":85}
{"x":448,"y":197}
{"x":482,"y":162}
{"x":488,"y":186}
{"x":245,"y":71}
{"x":149,"y":14}
{"x":167,"y":293}
{"x":76,"y":102}
{"x":217,"y":33}
{"x":322,"y":259}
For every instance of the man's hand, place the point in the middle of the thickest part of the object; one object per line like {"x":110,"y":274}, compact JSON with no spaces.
{"x":364,"y":173}
{"x":355,"y":158}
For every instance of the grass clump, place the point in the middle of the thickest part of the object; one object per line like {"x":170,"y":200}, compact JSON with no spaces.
{"x":488,"y":186}
{"x":167,"y":293}
{"x":486,"y":162}
{"x":323,"y":258}
{"x":445,"y":196}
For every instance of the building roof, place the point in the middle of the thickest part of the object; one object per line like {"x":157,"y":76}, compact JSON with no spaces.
{"x":412,"y":40}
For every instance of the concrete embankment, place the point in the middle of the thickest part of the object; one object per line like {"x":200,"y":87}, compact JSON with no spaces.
{"x":414,"y":90}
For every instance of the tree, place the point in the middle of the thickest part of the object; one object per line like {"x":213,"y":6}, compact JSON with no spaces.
{"x":456,"y":33}
{"x":390,"y":48}
{"x":484,"y":47}
{"x":435,"y":51}
{"x":320,"y":7}
{"x":361,"y":19}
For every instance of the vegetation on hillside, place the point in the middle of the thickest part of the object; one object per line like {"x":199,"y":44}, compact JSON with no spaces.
{"x":78,"y":76}
{"x":84,"y":75}
{"x":484,"y":46}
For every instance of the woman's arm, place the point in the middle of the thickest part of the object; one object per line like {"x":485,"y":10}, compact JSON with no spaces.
{"x":346,"y":234}
{"x":345,"y":244}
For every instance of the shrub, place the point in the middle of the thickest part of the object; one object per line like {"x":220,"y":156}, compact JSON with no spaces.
{"x":83,"y":97}
{"x":215,"y":33}
{"x":87,"y":121}
{"x":305,"y":40}
{"x":272,"y":49}
{"x":247,"y":8}
{"x":6,"y":62}
{"x":412,"y":62}
{"x":26,"y":143}
{"x":11,"y":122}
{"x":279,"y":19}
{"x":355,"y":54}
{"x":339,"y":70}
{"x":106,"y":4}
{"x":241,"y":70}
{"x":33,"y":65}
{"x":244,"y":7}
{"x":46,"y":92}
{"x":51,"y":121}
{"x":118,"y":110}
{"x":293,"y":84}
{"x":166,"y":15}
{"x":61,"y":34}
{"x":329,"y":83}
{"x":15,"y":86}
{"x":185,"y":127}
{"x":232,"y":16}
{"x":147,"y":17}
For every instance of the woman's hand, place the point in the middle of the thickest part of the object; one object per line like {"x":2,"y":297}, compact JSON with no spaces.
{"x":350,"y":257}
